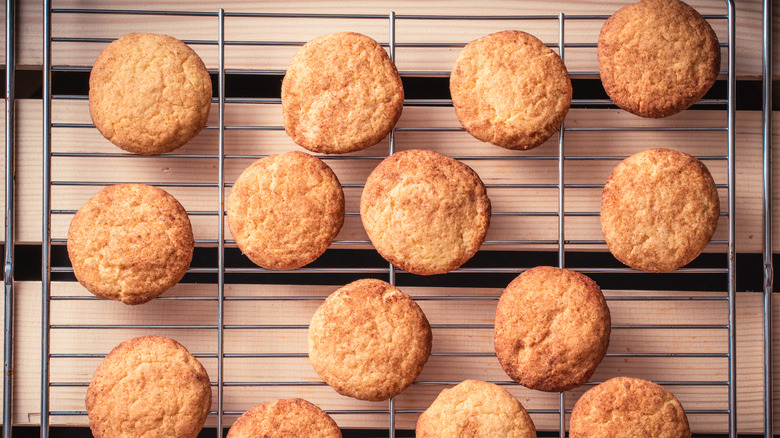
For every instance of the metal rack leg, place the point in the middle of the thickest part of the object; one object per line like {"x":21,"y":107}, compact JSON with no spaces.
{"x":732,"y":253}
{"x":221,"y":231}
{"x":767,"y":249}
{"x":46,"y":228}
{"x":561,"y":215}
{"x":10,"y":175}
{"x":391,"y":272}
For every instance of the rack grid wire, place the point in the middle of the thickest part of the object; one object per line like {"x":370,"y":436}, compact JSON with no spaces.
{"x":8,"y":262}
{"x":225,"y":290}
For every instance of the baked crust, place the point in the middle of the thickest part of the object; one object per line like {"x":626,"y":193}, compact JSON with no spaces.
{"x":627,"y":407}
{"x":552,"y":328}
{"x":475,"y":409}
{"x":511,"y":90}
{"x":285,"y":210}
{"x":426,"y":213}
{"x":291,"y":418}
{"x":657,"y":57}
{"x":341,"y":93}
{"x":148,"y":386}
{"x":368,"y":340}
{"x":659,"y":210}
{"x":148,"y":93}
{"x":130,"y":242}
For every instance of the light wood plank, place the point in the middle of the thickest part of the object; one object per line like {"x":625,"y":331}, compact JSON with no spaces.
{"x":439,"y":368}
{"x":490,"y":162}
{"x":748,"y":14}
{"x":408,"y":59}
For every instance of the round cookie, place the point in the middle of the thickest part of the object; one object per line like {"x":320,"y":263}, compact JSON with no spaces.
{"x":511,"y":90}
{"x":627,"y":407}
{"x":148,"y":386}
{"x":659,"y":210}
{"x":657,"y":57}
{"x":475,"y":409}
{"x":426,"y":213}
{"x":285,"y":210}
{"x":341,"y":93}
{"x":149,"y":94}
{"x":552,"y":328}
{"x":290,"y":418}
{"x":368,"y":340}
{"x":130,"y":242}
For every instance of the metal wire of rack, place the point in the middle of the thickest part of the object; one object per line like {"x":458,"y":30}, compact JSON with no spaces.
{"x":10,"y":186}
{"x":767,"y":107}
{"x":220,"y":328}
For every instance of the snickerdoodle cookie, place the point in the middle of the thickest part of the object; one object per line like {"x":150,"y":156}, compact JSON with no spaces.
{"x":552,"y":328}
{"x":287,"y":418}
{"x":341,"y":93}
{"x":148,"y":93}
{"x":657,"y":57}
{"x":627,"y":407}
{"x":285,"y":210}
{"x":511,"y":90}
{"x":369,"y":340}
{"x":476,"y":409}
{"x":425,"y":212}
{"x":659,"y":210}
{"x":130,"y":242}
{"x":148,"y":386}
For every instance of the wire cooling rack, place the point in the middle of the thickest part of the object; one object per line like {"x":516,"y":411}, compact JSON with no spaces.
{"x":229,"y":285}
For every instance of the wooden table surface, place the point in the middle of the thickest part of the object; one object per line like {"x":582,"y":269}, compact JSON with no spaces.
{"x":461,"y":316}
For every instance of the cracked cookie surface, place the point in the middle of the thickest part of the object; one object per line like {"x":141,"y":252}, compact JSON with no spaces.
{"x":149,"y":94}
{"x":285,"y":210}
{"x":659,"y":210}
{"x":149,"y":386}
{"x":130,"y":242}
{"x":475,"y":409}
{"x":552,"y":328}
{"x":627,"y":407}
{"x":510,"y":90}
{"x":424,"y":212}
{"x":289,"y":418}
{"x":341,"y":93}
{"x":657,"y":57}
{"x":369,"y":340}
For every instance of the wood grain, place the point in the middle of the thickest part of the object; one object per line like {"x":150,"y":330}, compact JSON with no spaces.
{"x":748,"y":25}
{"x":460,"y":352}
{"x":496,"y":166}
{"x":250,"y":305}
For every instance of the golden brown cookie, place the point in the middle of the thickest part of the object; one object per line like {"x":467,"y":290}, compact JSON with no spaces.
{"x":287,"y":418}
{"x":425,"y":212}
{"x":148,"y":386}
{"x":285,"y":210}
{"x":149,"y":94}
{"x":369,"y":340}
{"x":475,"y":409}
{"x":659,"y":210}
{"x":130,"y":242}
{"x":552,"y":328}
{"x":657,"y":57}
{"x":511,"y":90}
{"x":627,"y":407}
{"x":341,"y":94}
